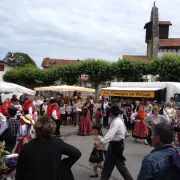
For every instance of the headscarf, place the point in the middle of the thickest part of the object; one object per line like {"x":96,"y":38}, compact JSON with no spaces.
{"x":6,"y":105}
{"x":27,"y":105}
{"x":141,"y":114}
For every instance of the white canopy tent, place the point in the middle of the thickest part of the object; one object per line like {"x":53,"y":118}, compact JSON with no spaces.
{"x":8,"y":88}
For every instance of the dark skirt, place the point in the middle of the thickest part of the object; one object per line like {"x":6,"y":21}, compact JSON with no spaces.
{"x":96,"y":156}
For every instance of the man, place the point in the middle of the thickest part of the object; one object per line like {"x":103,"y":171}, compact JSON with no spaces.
{"x":114,"y":156}
{"x":104,"y":107}
{"x":3,"y":124}
{"x":176,"y":125}
{"x":158,"y":164}
{"x":59,"y":99}
{"x":12,"y":130}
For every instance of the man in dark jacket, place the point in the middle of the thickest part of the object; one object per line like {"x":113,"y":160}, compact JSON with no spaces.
{"x":158,"y":165}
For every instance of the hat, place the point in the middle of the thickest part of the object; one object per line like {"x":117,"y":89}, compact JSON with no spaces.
{"x":11,"y":165}
{"x":115,"y":110}
{"x":28,"y":119}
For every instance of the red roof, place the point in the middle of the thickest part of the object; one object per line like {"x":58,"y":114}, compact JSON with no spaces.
{"x":47,"y":62}
{"x":132,"y":57}
{"x":165,"y":23}
{"x":171,"y":42}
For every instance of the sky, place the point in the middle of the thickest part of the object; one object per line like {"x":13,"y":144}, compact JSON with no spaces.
{"x":80,"y":29}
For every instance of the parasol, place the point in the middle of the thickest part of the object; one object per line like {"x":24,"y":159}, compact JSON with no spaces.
{"x":7,"y":88}
{"x":65,"y":88}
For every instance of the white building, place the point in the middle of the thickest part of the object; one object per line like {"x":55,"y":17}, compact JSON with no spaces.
{"x":4,"y":67}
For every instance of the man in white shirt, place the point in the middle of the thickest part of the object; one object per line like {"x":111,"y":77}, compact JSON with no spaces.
{"x":114,"y":156}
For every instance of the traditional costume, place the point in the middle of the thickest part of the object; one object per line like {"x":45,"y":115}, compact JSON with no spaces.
{"x":27,"y":108}
{"x":176,"y":125}
{"x":6,"y":105}
{"x":140,"y":130}
{"x":85,"y":124}
{"x":27,"y":131}
{"x":53,"y":112}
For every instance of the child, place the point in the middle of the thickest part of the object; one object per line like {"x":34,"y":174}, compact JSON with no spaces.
{"x":69,"y":109}
{"x":11,"y":165}
{"x":98,"y":117}
{"x":96,"y":158}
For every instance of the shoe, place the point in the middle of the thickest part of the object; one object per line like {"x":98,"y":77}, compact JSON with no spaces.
{"x":94,"y":176}
{"x":136,"y":140}
{"x":145,"y":142}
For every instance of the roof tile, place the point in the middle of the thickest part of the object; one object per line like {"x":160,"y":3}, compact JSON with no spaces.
{"x":171,"y":42}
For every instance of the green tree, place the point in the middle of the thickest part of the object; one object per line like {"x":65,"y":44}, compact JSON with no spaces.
{"x":18,"y":59}
{"x":23,"y":75}
{"x":130,"y":70}
{"x":98,"y":71}
{"x":167,"y":68}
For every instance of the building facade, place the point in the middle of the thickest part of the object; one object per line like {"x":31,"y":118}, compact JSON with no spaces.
{"x":157,"y":40}
{"x":4,"y":67}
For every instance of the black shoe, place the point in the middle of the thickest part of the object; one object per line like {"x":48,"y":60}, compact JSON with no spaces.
{"x":94,"y":176}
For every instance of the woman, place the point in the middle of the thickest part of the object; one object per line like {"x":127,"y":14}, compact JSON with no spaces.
{"x":43,"y":108}
{"x":140,"y":129}
{"x":76,"y":112}
{"x":40,"y":159}
{"x":85,"y":124}
{"x":27,"y":108}
{"x":105,"y":105}
{"x":21,"y":100}
{"x":171,"y":112}
{"x":153,"y":119}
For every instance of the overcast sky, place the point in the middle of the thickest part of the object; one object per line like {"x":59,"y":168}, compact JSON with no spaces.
{"x":79,"y":29}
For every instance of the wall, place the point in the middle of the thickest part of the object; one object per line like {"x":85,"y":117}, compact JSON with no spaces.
{"x":6,"y":68}
{"x":163,"y":52}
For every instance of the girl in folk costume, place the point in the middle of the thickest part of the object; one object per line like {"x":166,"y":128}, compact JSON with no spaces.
{"x":140,"y":129}
{"x":96,"y":158}
{"x":27,"y":108}
{"x":27,"y":131}
{"x":53,"y":112}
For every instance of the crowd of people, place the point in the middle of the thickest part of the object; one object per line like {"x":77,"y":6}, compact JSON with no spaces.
{"x":35,"y":124}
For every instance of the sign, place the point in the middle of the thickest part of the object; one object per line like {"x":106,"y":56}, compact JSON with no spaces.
{"x":142,"y":94}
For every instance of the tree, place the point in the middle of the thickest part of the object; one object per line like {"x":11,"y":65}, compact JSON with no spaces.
{"x":23,"y":75}
{"x":167,"y":68}
{"x":18,"y":59}
{"x":130,"y":70}
{"x":98,"y":71}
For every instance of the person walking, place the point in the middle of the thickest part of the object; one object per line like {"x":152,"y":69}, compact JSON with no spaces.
{"x":114,"y":155}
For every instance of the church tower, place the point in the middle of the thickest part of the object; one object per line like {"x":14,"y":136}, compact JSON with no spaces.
{"x":152,"y":33}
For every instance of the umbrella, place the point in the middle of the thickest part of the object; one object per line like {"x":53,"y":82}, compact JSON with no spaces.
{"x":65,"y":88}
{"x":7,"y":88}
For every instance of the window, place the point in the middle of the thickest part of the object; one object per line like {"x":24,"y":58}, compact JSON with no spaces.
{"x":1,"y":67}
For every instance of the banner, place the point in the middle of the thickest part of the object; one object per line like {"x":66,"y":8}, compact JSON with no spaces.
{"x":142,"y":94}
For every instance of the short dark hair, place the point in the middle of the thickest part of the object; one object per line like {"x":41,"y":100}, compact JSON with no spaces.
{"x":12,"y":111}
{"x":44,"y":127}
{"x":165,"y":132}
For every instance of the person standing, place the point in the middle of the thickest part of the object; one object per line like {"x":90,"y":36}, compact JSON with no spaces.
{"x":140,"y":130}
{"x":176,"y":125}
{"x":12,"y":130}
{"x":27,"y":108}
{"x":105,"y":105}
{"x":43,"y":108}
{"x":53,"y":112}
{"x":114,"y":155}
{"x":41,"y":158}
{"x":158,"y":165}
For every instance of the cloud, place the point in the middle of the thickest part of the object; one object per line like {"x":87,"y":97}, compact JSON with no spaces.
{"x":79,"y":29}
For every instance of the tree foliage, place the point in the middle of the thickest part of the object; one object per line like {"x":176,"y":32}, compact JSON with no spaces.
{"x":18,"y":59}
{"x":98,"y":71}
{"x":167,"y":68}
